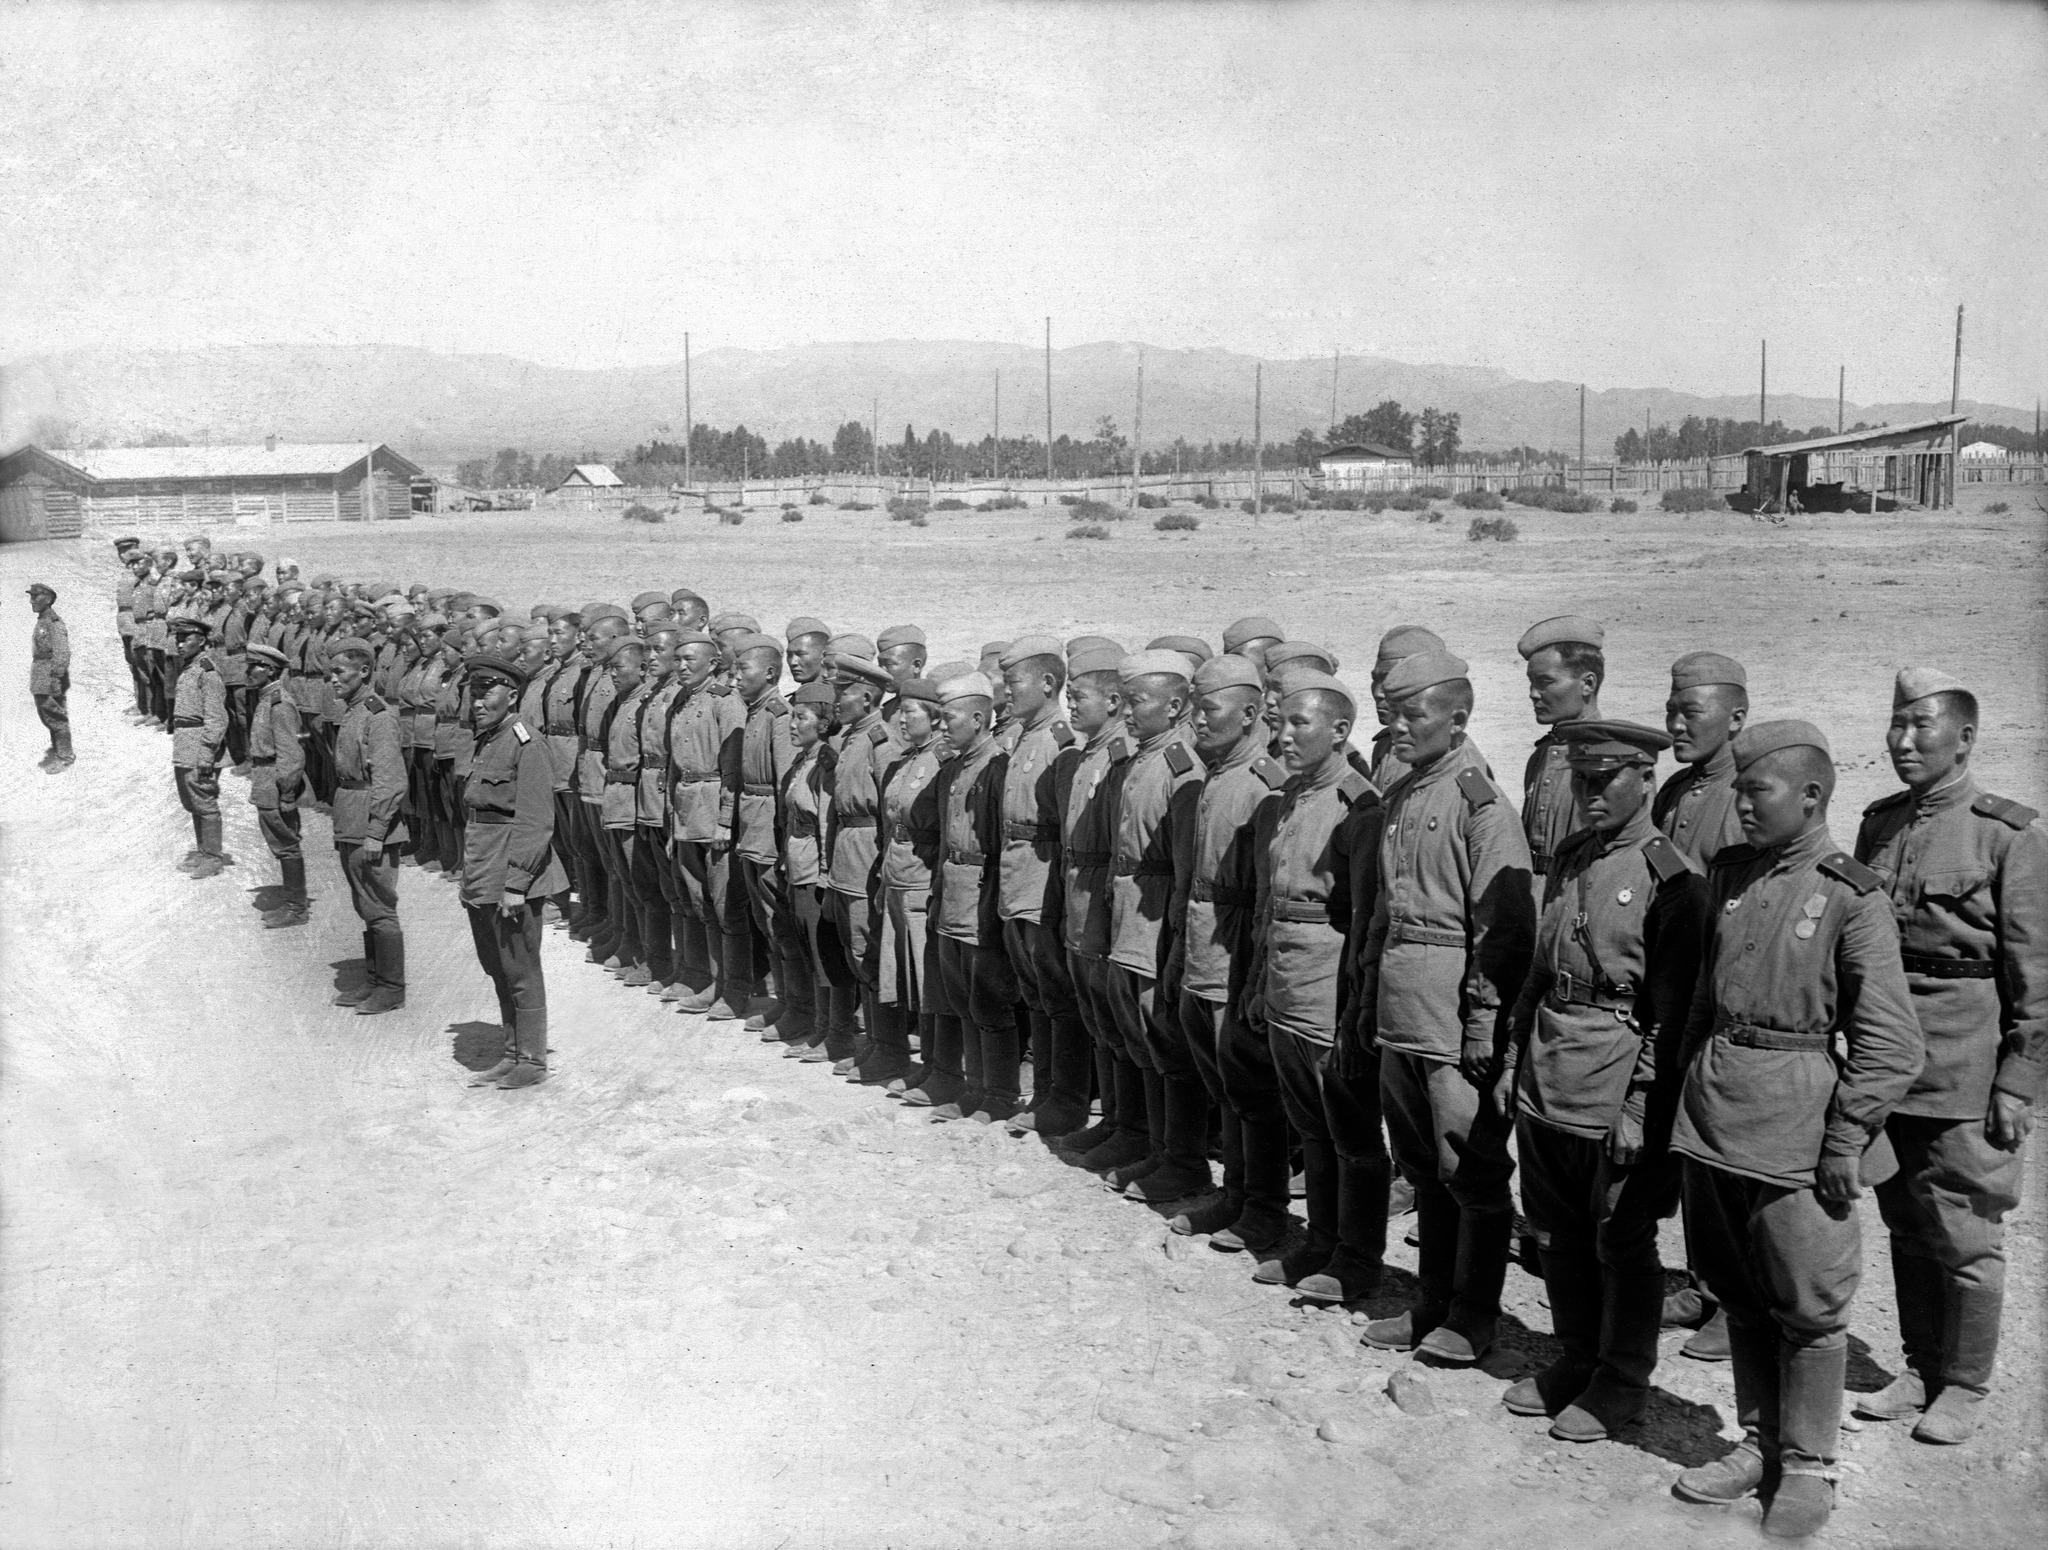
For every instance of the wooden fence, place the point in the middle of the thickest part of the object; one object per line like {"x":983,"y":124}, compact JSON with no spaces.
{"x":2014,"y":468}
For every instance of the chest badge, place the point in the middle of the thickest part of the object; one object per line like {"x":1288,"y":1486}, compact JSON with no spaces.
{"x":1732,"y":905}
{"x":1626,"y":896}
{"x":1805,"y":929}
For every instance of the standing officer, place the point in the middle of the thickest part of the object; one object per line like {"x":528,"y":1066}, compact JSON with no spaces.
{"x":805,"y":802}
{"x":665,"y":916}
{"x":1598,"y":1026}
{"x":509,"y":867}
{"x":852,"y":851}
{"x":705,"y":725}
{"x":199,"y":730}
{"x":909,"y":839}
{"x":1213,"y":954}
{"x":237,"y":610}
{"x":369,"y":824}
{"x":766,"y":750}
{"x":635,"y":889}
{"x":49,"y":676}
{"x":1444,"y":957}
{"x":1967,"y":873}
{"x":277,"y":774}
{"x":1304,"y":848}
{"x":1773,"y":1126}
{"x":1029,"y":902}
{"x":1566,"y":667}
{"x":602,"y":624}
{"x":563,"y":683}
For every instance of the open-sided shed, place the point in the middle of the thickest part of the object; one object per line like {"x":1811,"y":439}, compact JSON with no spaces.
{"x":1912,"y":465}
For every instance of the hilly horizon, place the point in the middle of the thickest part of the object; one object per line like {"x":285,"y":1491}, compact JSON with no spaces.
{"x":440,"y":408}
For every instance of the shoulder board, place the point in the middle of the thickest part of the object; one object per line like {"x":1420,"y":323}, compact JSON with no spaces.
{"x":1119,"y":749}
{"x":777,"y":705}
{"x":1477,"y":788}
{"x":878,"y":733}
{"x":1271,"y":771}
{"x":1896,"y":799}
{"x":2014,"y":814}
{"x":372,"y":704}
{"x":1178,"y":759}
{"x":717,"y":688}
{"x":828,"y":756}
{"x":519,"y":731}
{"x":1846,"y":867}
{"x":1665,"y":858}
{"x":1062,"y":734}
{"x":1354,"y":787}
{"x":1738,"y":854}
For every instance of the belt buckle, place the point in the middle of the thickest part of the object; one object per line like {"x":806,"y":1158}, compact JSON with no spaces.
{"x":1564,"y":987}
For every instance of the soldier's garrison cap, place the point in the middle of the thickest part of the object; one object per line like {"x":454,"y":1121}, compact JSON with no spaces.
{"x":695,"y":638}
{"x":1107,"y":659}
{"x":596,"y":611}
{"x":939,"y":673}
{"x":1188,"y":645}
{"x":734,"y":620}
{"x":968,"y":686}
{"x":900,"y":635}
{"x":993,"y":648}
{"x":1288,"y":651}
{"x":1252,"y":627}
{"x":757,"y":642}
{"x":851,"y":646}
{"x":816,"y":692}
{"x":1155,"y":662}
{"x":1766,"y":737}
{"x":1564,"y":629}
{"x":1608,"y":745}
{"x":1085,"y":643}
{"x":1305,"y":679}
{"x":351,"y":646}
{"x":922,"y":689}
{"x":1228,"y":671}
{"x":804,"y":624}
{"x":489,"y":605}
{"x":1404,"y":640}
{"x":1697,"y":669}
{"x":491,"y":667}
{"x":1025,"y":647}
{"x":1916,"y":683}
{"x":1424,"y":669}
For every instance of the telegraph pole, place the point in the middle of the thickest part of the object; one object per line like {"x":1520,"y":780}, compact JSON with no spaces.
{"x":996,"y":470}
{"x":1048,"y":400}
{"x":1336,"y":361}
{"x":1763,"y":382}
{"x":1955,"y":386}
{"x":875,"y":436}
{"x":1841,"y":395}
{"x":1582,"y":435}
{"x":1138,"y":432}
{"x":689,"y":423}
{"x":1258,"y":439}
{"x":1955,"y":393}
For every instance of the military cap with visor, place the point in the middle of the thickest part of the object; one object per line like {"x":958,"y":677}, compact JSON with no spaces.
{"x":494,"y":667}
{"x":1610,"y":745}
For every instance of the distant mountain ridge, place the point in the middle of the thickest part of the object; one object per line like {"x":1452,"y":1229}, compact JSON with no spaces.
{"x":440,"y":408}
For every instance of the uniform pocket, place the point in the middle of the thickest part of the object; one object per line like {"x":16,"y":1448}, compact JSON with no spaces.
{"x":1953,"y":885}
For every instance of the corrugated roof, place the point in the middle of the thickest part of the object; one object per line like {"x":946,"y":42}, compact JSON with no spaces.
{"x":595,"y":473}
{"x":288,"y":460}
{"x":1883,"y":435}
{"x":1367,"y":449}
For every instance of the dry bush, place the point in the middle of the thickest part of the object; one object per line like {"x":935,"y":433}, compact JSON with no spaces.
{"x":1087,"y":530}
{"x":639,"y":513}
{"x":1374,"y":503}
{"x":1176,"y":522}
{"x":1430,"y":492}
{"x":1479,"y":500}
{"x":1005,"y":503}
{"x":732,"y":516}
{"x":1551,"y":498}
{"x":1151,"y":502}
{"x":1208,"y":503}
{"x":1622,"y":508}
{"x":792,"y":514}
{"x":1343,"y":500}
{"x":950,"y":503}
{"x":1997,"y":508}
{"x":1501,"y":530}
{"x":819,"y":498}
{"x":1097,"y":511}
{"x":903,"y":509}
{"x":856,"y":506}
{"x":1408,"y":500}
{"x":1690,"y":500}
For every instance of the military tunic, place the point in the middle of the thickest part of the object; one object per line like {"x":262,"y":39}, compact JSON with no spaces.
{"x":369,"y":799}
{"x":1550,"y":812}
{"x":1696,"y":807}
{"x":975,"y":981}
{"x":909,"y":836}
{"x":49,"y":678}
{"x":277,"y":773}
{"x":508,"y":848}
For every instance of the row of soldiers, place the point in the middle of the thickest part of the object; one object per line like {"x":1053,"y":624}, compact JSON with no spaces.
{"x":1170,"y":881}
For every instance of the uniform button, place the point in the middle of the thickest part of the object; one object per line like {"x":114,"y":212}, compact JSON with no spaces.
{"x":1749,"y":947}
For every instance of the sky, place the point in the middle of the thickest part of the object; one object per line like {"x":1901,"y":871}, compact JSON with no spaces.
{"x":1630,"y":195}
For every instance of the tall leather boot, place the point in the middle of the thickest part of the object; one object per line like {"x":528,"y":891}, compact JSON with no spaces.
{"x":657,"y":955}
{"x":1810,"y":1379}
{"x":1436,"y":1268}
{"x":212,"y":859}
{"x":1059,"y":1100}
{"x":888,"y":1052}
{"x":1919,"y":1284}
{"x":1753,"y":1466}
{"x":1001,"y":1069}
{"x":1219,"y":1213}
{"x":1631,"y":1309}
{"x":361,"y":993}
{"x":1129,"y":1140}
{"x":1362,"y":1195}
{"x":1303,"y":1267}
{"x":1972,"y":1306}
{"x":1104,"y":1062}
{"x":1184,"y":1156}
{"x":1485,"y":1240}
{"x":389,"y":993}
{"x":1154,"y":1087}
{"x":1573,"y":1282}
{"x":292,"y":912}
{"x":60,"y":745}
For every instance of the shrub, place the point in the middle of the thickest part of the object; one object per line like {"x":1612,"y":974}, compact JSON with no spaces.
{"x":1208,"y":503}
{"x":856,"y":506}
{"x":1343,"y":500}
{"x":1998,"y":508}
{"x":1282,"y":505}
{"x":1429,"y":514}
{"x":902,"y":509}
{"x":639,"y":513}
{"x":1176,"y":522}
{"x":1408,"y":500}
{"x":732,"y":517}
{"x":1501,"y":530}
{"x":1690,"y":500}
{"x":1622,"y":508}
{"x":792,"y":514}
{"x":1430,"y":492}
{"x":1098,"y":511}
{"x":1479,"y":500}
{"x":1151,"y":502}
{"x":1550,"y":498}
{"x":1248,"y":505}
{"x":1087,"y":530}
{"x":950,"y":504}
{"x":1005,"y":503}
{"x":1374,"y":503}
{"x":819,"y":498}
{"x":917,"y":519}
{"x":1070,"y":500}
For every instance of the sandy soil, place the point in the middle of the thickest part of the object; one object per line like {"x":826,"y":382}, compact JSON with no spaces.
{"x":274,"y":1277}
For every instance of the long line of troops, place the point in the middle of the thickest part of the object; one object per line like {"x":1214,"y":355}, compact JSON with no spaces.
{"x":1170,"y":881}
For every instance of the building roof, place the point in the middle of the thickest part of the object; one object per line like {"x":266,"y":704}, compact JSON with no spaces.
{"x":1983,"y":449}
{"x":285,"y":460}
{"x":1354,"y":451}
{"x":1881,"y":436}
{"x":597,"y":474}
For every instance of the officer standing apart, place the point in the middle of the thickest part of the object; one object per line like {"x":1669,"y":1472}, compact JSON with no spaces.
{"x":1597,"y":1026}
{"x":49,"y":677}
{"x":199,"y":730}
{"x":369,"y":824}
{"x":1773,"y":1125}
{"x":509,"y":865}
{"x":1967,"y":873}
{"x":277,"y":776}
{"x":1566,"y":666}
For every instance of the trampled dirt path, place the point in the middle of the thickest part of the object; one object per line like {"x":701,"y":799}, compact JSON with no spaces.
{"x":275,"y":1277}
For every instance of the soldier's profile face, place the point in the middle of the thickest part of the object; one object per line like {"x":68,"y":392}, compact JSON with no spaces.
{"x":1610,"y":798}
{"x":1927,"y":743}
{"x":1700,"y":721}
{"x":806,"y":658}
{"x":1308,"y":732}
{"x":1151,"y":703}
{"x":1089,"y":707}
{"x":757,"y":672}
{"x":347,"y":673}
{"x":1556,"y":693}
{"x":1771,"y":802}
{"x":807,"y":724}
{"x":915,"y":718}
{"x":963,"y":721}
{"x":905,"y":661}
{"x":1425,"y":726}
{"x":1026,"y":690}
{"x":1223,"y":716}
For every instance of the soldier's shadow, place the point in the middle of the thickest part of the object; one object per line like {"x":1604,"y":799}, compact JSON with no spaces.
{"x":1671,"y":1428}
{"x":1866,"y":1376}
{"x":271,"y":896}
{"x":476,"y":1046}
{"x":350,"y":973}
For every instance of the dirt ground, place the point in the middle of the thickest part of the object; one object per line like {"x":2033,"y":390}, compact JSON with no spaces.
{"x":275,"y":1277}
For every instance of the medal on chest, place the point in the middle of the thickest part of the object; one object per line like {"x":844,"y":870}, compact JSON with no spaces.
{"x":1625,"y":896}
{"x":1809,"y":921}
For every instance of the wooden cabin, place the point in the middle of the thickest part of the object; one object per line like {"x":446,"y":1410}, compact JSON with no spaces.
{"x":1903,"y":465}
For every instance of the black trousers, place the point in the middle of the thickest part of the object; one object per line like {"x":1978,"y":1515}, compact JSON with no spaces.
{"x":508,"y":948}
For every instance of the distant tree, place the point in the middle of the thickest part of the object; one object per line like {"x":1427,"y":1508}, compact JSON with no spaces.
{"x":852,"y":447}
{"x":475,"y":473}
{"x":1386,"y":423}
{"x":161,"y":439}
{"x":1437,"y":443}
{"x":1307,"y":448}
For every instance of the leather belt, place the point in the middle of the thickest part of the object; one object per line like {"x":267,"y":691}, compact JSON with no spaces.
{"x":1540,"y":865}
{"x":352,"y":785}
{"x":1750,"y":1037}
{"x":694,"y":777}
{"x":1300,"y":911}
{"x":961,"y":857}
{"x":628,"y":778}
{"x":489,"y":817}
{"x":755,"y":788}
{"x":561,"y":731}
{"x":1143,"y":868}
{"x":257,"y":758}
{"x":1950,"y":968}
{"x":857,"y":821}
{"x":1018,"y":829}
{"x":1570,"y":990}
{"x":1426,"y":936}
{"x":803,"y":826}
{"x":1205,"y":891}
{"x":1089,"y":858}
{"x":187,"y":721}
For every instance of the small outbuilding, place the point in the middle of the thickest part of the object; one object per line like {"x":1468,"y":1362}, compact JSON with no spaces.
{"x":589,"y":487}
{"x":1978,"y":451}
{"x":1358,"y":463}
{"x":1908,"y":465}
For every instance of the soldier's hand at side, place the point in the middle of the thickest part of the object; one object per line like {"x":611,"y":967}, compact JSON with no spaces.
{"x":2008,"y":1122}
{"x":1351,"y":1054}
{"x":1480,"y":1062}
{"x":373,"y":850}
{"x":512,"y":903}
{"x":1838,"y":1180}
{"x":1625,"y":1136}
{"x":1254,"y":1011}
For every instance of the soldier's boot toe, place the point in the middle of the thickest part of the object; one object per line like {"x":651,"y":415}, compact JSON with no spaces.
{"x":1050,"y":1120}
{"x":1801,"y":1505}
{"x":1207,"y":1216}
{"x":885,"y":1065}
{"x":1455,"y":1347}
{"x":1684,"y":1309}
{"x":526,"y":1073}
{"x":1169,"y":1182}
{"x":1404,"y":1331}
{"x":809,"y":1054}
{"x":1257,"y":1230}
{"x":1605,"y":1407}
{"x":490,"y":1078}
{"x":1710,"y":1342}
{"x":1905,"y":1395}
{"x":761,"y":1011}
{"x":1724,"y":1480}
{"x":354,"y":997}
{"x":994,"y":1109}
{"x":205,"y":867}
{"x":1400,"y":1197}
{"x":1953,"y":1416}
{"x":1085,"y":1140}
{"x":673,"y":992}
{"x":385,"y":998}
{"x":279,"y":920}
{"x":1343,"y":1279}
{"x":1120,"y":1149}
{"x":1293,"y":1267}
{"x":637,"y":976}
{"x":721,"y":1011}
{"x":695,"y":1003}
{"x":1548,"y":1392}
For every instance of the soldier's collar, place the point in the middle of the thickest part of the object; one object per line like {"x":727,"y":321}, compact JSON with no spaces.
{"x":1956,"y":791}
{"x":1640,"y":826}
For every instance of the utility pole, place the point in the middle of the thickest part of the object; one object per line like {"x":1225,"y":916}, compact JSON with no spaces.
{"x":1138,"y":432}
{"x":1763,"y":382}
{"x":875,"y":436}
{"x":1955,"y":386}
{"x":1258,"y":439}
{"x":1582,"y":435}
{"x":996,"y":470}
{"x":1955,"y":393}
{"x":1048,"y":400}
{"x":1841,"y":395}
{"x":1336,"y":361}
{"x":689,"y":423}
